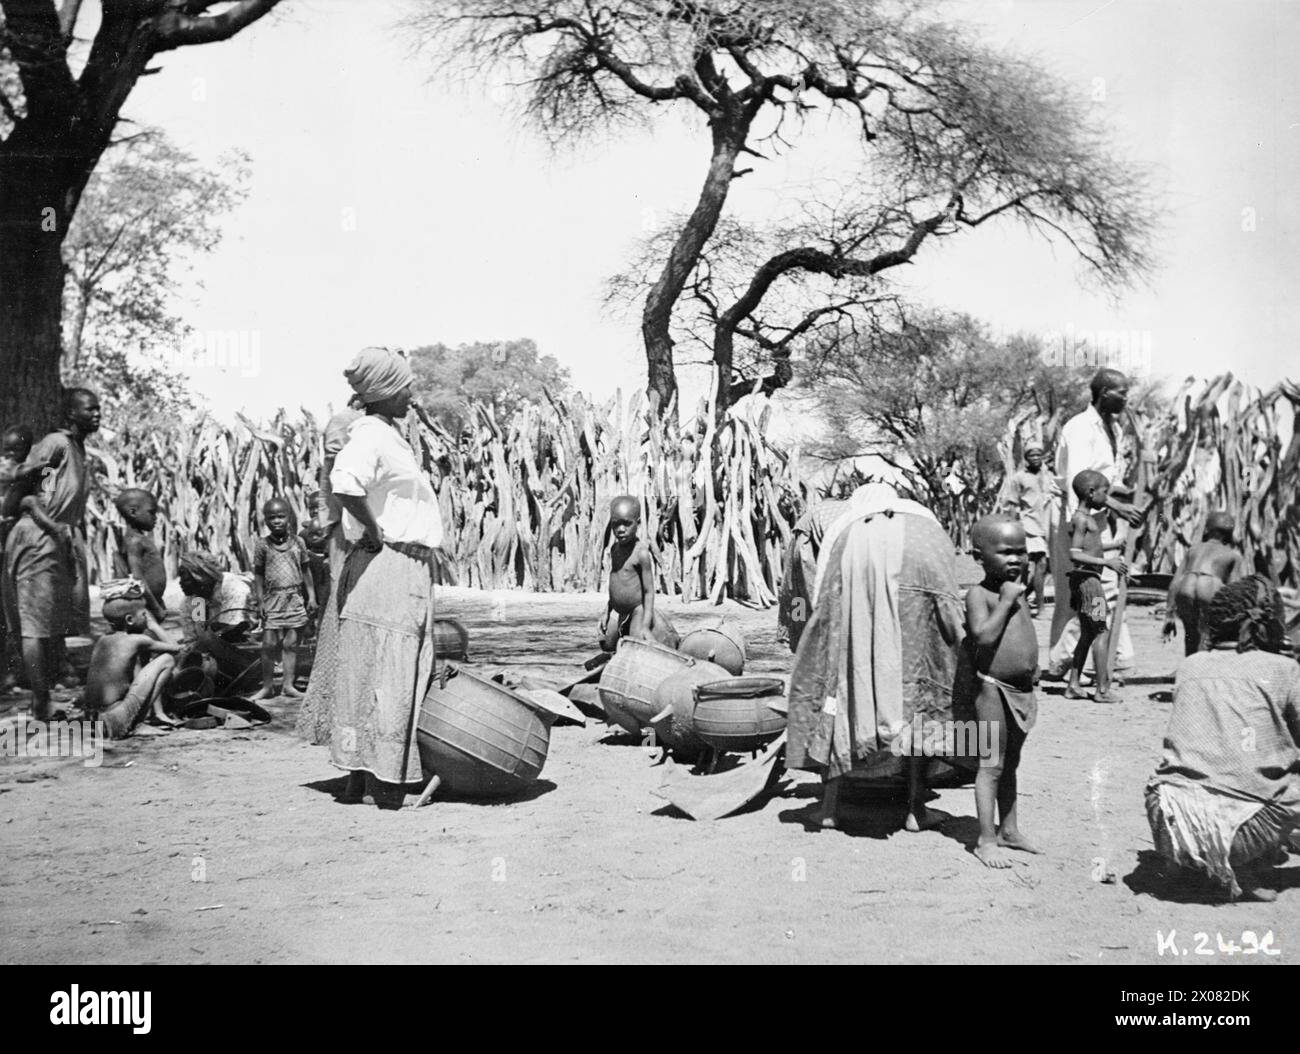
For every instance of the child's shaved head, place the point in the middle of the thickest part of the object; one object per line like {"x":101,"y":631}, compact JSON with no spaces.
{"x":276,"y":504}
{"x":132,"y":498}
{"x":988,"y":530}
{"x":16,"y":441}
{"x":117,"y":612}
{"x":1220,"y":525}
{"x":625,"y":507}
{"x":1086,"y":481}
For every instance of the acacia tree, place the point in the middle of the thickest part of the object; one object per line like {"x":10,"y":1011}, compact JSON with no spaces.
{"x":957,"y":133}
{"x":934,"y":393}
{"x":54,"y":127}
{"x":502,"y":374}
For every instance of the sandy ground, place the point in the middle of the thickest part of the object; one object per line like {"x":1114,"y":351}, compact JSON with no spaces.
{"x":216,"y":846}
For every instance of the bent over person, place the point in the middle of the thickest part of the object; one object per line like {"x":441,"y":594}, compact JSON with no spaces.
{"x":1227,"y":792}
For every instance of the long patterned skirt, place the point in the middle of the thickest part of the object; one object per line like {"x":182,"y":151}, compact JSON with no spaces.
{"x":374,"y":673}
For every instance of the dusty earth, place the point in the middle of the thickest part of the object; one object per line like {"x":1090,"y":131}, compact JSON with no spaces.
{"x":219,"y":846}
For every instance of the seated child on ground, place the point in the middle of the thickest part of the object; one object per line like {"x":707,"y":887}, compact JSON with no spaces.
{"x":285,"y":596}
{"x":119,"y":689}
{"x":1226,"y":794}
{"x":1000,"y":634}
{"x":631,"y":583}
{"x":1208,"y":566}
{"x":1087,"y":594}
{"x":139,"y":556}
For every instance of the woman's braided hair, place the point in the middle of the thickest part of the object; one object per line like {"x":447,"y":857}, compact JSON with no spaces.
{"x":1248,"y":612}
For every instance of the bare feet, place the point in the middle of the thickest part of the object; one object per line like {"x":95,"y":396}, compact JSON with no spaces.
{"x":1108,"y":696}
{"x":265,"y":692}
{"x":992,"y":855}
{"x":1258,"y":895}
{"x":1016,"y":840}
{"x":290,"y":692}
{"x":1071,"y":692}
{"x":923,"y":819}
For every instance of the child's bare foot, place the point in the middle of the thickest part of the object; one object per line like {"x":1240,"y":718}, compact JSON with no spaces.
{"x":1108,"y":696}
{"x":290,"y":692}
{"x":1071,"y":692}
{"x":265,"y":692}
{"x":992,"y":855}
{"x":1016,"y":840}
{"x":923,"y":819}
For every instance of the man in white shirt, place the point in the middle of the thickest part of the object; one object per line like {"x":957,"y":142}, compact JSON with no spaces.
{"x":1088,"y":441}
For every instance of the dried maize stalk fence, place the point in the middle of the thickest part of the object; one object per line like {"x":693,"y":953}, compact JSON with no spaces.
{"x":524,"y":503}
{"x":1226,"y":446}
{"x":1219,"y":445}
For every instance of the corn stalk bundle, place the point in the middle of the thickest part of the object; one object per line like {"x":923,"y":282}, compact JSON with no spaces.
{"x":1226,"y":446}
{"x":1219,"y":445}
{"x":524,"y":502}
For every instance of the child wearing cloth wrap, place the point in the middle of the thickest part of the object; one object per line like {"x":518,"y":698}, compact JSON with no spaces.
{"x":1001,"y":638}
{"x":1226,"y":794}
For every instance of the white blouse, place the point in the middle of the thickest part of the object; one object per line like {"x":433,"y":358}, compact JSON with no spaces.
{"x":379,"y":465}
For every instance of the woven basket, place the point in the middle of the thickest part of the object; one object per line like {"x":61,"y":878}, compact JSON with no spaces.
{"x":450,"y":640}
{"x":629,"y":680}
{"x":677,"y":730}
{"x":733,"y":714}
{"x":722,"y":644}
{"x":482,"y":739}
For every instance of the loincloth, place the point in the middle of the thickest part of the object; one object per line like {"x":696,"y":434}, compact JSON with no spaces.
{"x":1020,"y":703}
{"x":1088,"y":599}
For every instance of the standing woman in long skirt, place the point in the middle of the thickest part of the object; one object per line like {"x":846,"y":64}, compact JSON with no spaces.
{"x":384,"y":596}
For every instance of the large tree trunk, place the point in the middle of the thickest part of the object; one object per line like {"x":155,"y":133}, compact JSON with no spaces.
{"x":656,"y":319}
{"x":31,"y":298}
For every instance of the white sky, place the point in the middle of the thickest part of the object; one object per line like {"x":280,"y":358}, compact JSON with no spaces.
{"x":468,"y":228}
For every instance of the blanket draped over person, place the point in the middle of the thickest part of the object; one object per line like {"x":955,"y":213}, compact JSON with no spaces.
{"x":881,"y":647}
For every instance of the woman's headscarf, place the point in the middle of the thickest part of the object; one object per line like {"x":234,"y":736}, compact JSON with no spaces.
{"x":378,"y":373}
{"x":1248,"y":612}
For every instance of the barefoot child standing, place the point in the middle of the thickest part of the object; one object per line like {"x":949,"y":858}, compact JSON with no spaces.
{"x":1087,"y":594}
{"x":631,"y":583}
{"x":1001,"y":636}
{"x":139,"y":556}
{"x":284,"y":595}
{"x":1208,"y":566}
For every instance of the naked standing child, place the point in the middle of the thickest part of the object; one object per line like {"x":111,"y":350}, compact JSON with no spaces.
{"x":631,"y":583}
